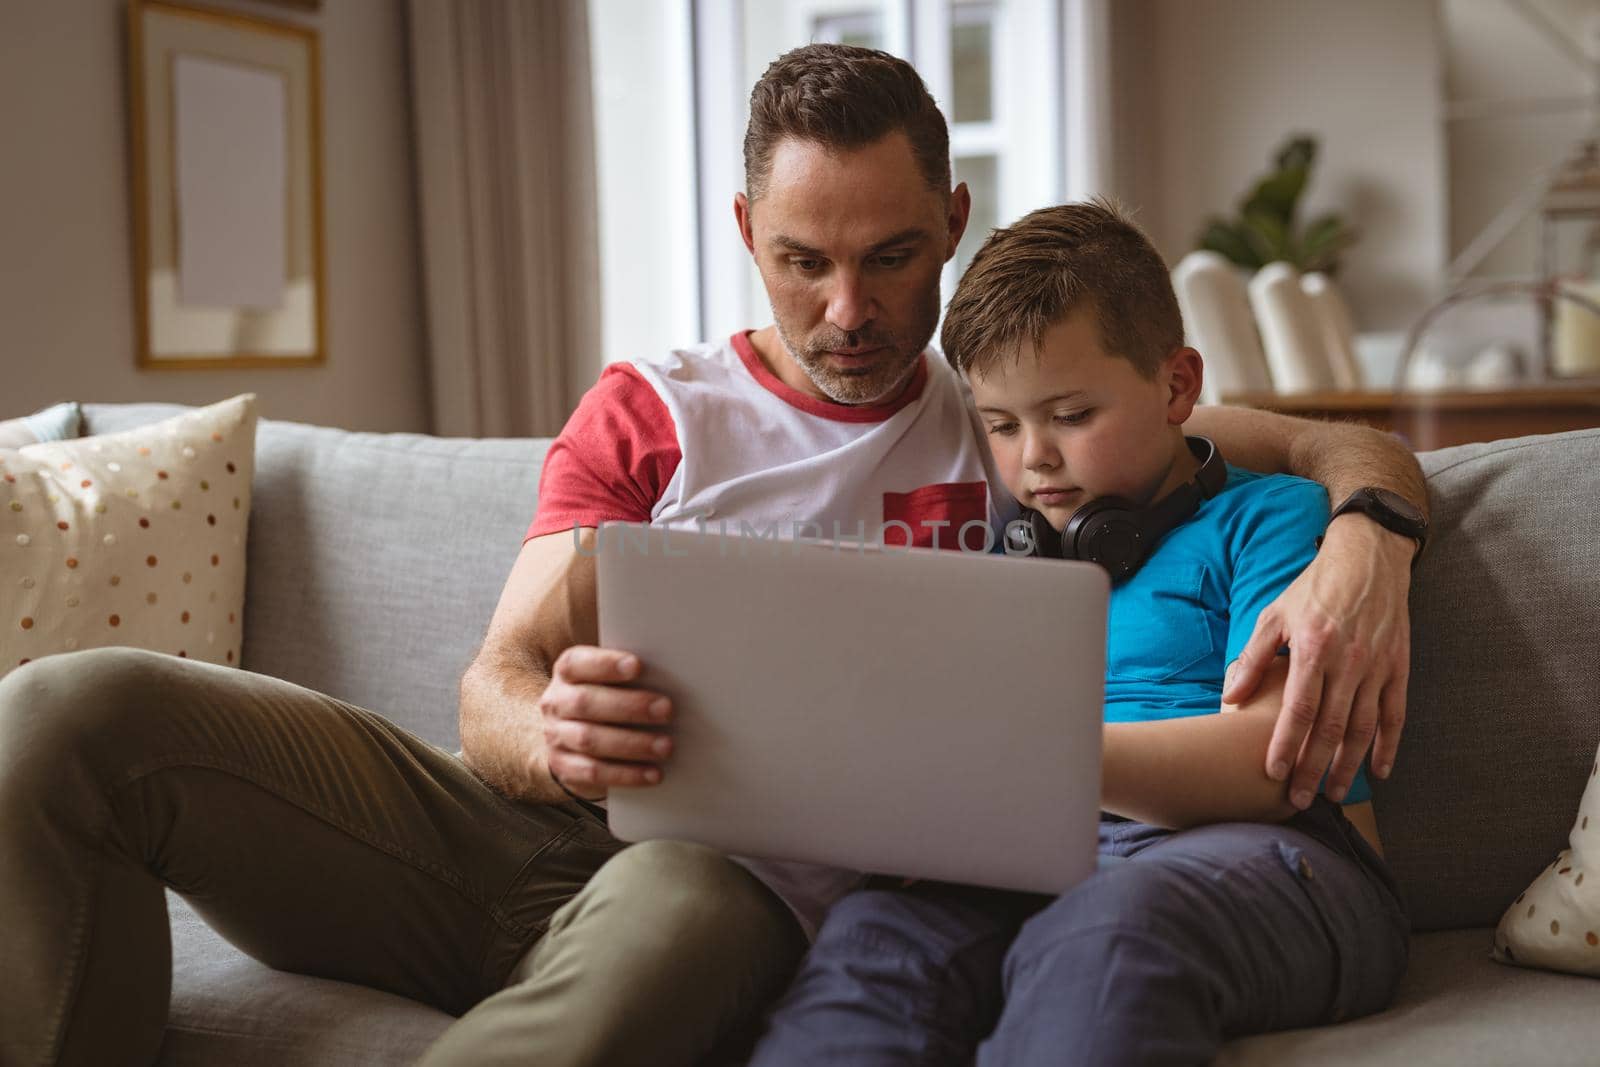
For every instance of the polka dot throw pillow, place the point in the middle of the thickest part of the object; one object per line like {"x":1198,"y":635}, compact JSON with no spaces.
{"x":134,"y":538}
{"x":1555,"y":923}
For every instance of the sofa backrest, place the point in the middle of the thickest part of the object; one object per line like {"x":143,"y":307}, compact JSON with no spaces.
{"x":375,"y":560}
{"x":1503,"y":712}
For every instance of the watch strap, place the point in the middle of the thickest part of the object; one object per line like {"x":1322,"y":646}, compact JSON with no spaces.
{"x":1370,"y":503}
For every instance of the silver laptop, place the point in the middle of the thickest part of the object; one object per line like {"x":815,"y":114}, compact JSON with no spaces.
{"x":931,"y":714}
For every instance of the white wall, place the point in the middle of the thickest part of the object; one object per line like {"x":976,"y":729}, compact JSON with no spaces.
{"x":1208,"y":89}
{"x":66,"y":303}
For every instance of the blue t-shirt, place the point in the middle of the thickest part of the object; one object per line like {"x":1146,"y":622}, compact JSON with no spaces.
{"x":1188,"y":612}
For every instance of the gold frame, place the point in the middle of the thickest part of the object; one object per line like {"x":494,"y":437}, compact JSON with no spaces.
{"x":142,"y":266}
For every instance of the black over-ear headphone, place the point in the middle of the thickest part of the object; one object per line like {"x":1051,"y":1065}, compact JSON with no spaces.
{"x":1114,"y":532}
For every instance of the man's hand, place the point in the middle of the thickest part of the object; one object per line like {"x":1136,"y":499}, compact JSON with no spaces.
{"x":1347,"y":624}
{"x":597,"y":733}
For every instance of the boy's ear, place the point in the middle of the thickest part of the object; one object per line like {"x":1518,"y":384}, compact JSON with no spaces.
{"x":1182,"y":374}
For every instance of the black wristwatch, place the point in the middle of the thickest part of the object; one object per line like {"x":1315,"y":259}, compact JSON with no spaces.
{"x":1389,"y":510}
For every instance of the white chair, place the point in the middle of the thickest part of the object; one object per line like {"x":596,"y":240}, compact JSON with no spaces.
{"x":1217,"y":321}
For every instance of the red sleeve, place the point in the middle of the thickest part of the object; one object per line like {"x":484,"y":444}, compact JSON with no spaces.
{"x":612,"y":460}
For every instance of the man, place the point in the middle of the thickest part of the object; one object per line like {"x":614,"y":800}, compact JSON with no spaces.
{"x":484,"y":887}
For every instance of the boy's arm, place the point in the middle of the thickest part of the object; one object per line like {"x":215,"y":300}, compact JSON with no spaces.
{"x":1203,"y":769}
{"x":1346,"y":616}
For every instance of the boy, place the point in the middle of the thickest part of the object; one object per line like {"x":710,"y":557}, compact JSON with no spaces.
{"x":1215,"y":917}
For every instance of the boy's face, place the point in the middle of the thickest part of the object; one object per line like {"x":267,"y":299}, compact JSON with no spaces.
{"x":1068,"y":423}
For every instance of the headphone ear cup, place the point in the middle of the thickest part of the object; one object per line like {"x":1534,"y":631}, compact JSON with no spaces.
{"x":1030,"y":534}
{"x":1106,"y":531}
{"x":1047,"y":542}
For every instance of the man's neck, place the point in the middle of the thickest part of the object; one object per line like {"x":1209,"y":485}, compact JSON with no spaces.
{"x":769,"y":346}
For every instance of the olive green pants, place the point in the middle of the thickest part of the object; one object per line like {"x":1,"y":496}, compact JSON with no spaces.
{"x":321,"y":839}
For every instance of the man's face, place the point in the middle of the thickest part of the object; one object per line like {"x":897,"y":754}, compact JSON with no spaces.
{"x":850,"y":245}
{"x":1068,"y":423}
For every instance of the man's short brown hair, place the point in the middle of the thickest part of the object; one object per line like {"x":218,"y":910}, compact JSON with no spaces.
{"x":840,"y":96}
{"x":1031,"y":275}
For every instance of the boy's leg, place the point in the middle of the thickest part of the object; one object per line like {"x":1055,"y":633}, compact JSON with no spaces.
{"x":314,"y":835}
{"x":671,"y":951}
{"x":1203,"y":935}
{"x":898,"y":976}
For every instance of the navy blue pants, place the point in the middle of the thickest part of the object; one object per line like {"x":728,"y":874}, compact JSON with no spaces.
{"x":1180,"y":941}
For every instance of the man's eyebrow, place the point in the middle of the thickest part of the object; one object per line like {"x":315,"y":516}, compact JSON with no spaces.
{"x":799,"y":247}
{"x":905,"y":237}
{"x":908,"y":236}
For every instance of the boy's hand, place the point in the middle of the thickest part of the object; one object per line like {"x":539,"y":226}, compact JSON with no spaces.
{"x":1347,"y":624}
{"x":598,"y":734}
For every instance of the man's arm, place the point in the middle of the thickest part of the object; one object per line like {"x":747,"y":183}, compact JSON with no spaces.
{"x":1346,"y":616}
{"x":1203,"y":769}
{"x":539,"y":697}
{"x":1342,"y":456}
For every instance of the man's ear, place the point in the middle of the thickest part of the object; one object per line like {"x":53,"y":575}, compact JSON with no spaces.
{"x":1182,"y":374}
{"x":741,"y":211}
{"x":956,"y":219}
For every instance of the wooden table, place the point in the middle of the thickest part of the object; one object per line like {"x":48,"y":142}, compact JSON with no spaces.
{"x":1454,"y":417}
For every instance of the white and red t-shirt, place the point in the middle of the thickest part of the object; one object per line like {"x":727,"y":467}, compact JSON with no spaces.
{"x":709,"y":434}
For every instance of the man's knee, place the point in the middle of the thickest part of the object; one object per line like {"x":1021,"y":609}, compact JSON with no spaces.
{"x":52,"y":708}
{"x":691,"y":889}
{"x":675,"y":913}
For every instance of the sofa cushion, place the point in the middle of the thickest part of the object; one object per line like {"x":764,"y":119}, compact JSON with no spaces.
{"x":1555,"y":922}
{"x":134,"y":538}
{"x":376,"y":559}
{"x":1455,"y":1007}
{"x":1503,"y":711}
{"x":227,"y":1008}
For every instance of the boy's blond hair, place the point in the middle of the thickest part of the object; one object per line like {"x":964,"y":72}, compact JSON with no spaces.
{"x":1029,"y":276}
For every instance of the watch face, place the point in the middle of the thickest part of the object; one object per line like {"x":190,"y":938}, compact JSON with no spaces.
{"x":1399,"y":505}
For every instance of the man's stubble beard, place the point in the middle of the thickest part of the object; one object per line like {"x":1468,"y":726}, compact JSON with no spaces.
{"x":879,"y":384}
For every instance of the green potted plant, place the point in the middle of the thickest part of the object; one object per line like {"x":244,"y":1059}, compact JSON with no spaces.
{"x":1267,"y":230}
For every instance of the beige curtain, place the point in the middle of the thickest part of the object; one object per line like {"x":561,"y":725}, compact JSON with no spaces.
{"x":505,"y":162}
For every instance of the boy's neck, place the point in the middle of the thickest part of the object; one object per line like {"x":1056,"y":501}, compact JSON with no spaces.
{"x":1183,"y":468}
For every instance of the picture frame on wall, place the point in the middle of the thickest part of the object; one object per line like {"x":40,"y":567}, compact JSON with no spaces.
{"x":227,"y":189}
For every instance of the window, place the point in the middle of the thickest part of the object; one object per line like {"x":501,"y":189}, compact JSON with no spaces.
{"x":995,"y":67}
{"x":977,"y":141}
{"x":861,"y":29}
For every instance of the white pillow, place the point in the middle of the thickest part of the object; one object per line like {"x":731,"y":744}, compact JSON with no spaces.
{"x":1555,"y":923}
{"x":134,"y":538}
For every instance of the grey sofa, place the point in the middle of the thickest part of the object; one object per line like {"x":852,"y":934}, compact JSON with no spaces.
{"x":375,"y":561}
